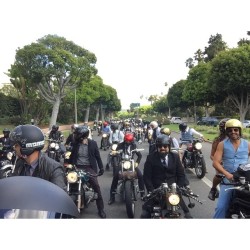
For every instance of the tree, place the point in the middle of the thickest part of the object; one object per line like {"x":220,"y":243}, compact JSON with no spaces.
{"x":54,"y":66}
{"x":229,"y":76}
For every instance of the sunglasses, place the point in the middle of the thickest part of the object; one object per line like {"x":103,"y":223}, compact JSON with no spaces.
{"x":162,"y":145}
{"x":230,"y":130}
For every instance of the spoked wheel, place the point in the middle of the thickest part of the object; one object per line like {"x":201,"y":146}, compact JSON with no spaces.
{"x":200,"y":167}
{"x":129,"y":199}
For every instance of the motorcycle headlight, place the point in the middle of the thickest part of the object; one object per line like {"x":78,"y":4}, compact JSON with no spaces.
{"x":72,"y":177}
{"x":113,"y":147}
{"x":56,"y":146}
{"x":174,"y":199}
{"x":198,"y":145}
{"x":104,"y":135}
{"x":127,"y":165}
{"x":67,"y":155}
{"x":9,"y":155}
{"x":52,"y":145}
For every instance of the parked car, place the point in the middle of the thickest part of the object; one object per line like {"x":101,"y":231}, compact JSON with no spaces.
{"x":175,"y":120}
{"x":246,"y":124}
{"x":208,"y":121}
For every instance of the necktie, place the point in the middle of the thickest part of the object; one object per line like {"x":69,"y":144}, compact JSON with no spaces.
{"x":164,"y":163}
{"x":27,"y":170}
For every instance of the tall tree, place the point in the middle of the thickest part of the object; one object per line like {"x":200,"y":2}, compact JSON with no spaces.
{"x":55,"y":66}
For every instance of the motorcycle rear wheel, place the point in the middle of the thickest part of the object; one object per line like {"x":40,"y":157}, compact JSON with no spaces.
{"x":200,"y":167}
{"x":129,"y":199}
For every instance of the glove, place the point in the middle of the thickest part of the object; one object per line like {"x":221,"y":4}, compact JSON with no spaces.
{"x":101,"y":171}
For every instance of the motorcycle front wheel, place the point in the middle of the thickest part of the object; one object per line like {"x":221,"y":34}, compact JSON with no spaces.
{"x":129,"y":199}
{"x":200,"y":166}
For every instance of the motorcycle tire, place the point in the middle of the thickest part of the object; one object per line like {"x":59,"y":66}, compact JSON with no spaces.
{"x":200,"y":167}
{"x":129,"y":199}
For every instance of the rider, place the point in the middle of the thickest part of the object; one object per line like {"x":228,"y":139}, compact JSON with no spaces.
{"x":155,"y":172}
{"x":85,"y":155}
{"x":214,"y":192}
{"x":156,"y":131}
{"x":232,"y":152}
{"x":70,"y":139}
{"x":105,"y":130}
{"x":5,"y":140}
{"x":57,"y":135}
{"x":126,"y":146}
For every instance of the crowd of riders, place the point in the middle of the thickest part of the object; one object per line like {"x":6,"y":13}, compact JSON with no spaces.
{"x":164,"y":158}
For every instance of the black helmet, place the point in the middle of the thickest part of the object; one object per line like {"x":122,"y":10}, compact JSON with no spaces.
{"x":114,"y":126}
{"x":29,"y":137}
{"x":183,"y":126}
{"x":55,"y":127}
{"x":81,"y":133}
{"x":6,"y":130}
{"x":162,"y":139}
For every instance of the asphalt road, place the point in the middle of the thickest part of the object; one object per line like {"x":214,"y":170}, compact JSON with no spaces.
{"x":118,"y":210}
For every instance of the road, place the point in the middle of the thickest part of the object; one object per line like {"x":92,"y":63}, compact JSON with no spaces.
{"x":118,"y":209}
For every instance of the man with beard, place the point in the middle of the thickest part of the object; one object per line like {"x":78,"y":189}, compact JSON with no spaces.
{"x":162,"y":166}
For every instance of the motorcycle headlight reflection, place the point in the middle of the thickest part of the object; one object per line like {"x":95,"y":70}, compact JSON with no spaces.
{"x":72,"y":177}
{"x":126,"y":165}
{"x":114,"y":146}
{"x":9,"y":155}
{"x":198,"y":145}
{"x":52,"y":145}
{"x":104,"y":135}
{"x":174,"y":199}
{"x":57,"y":146}
{"x":67,"y":155}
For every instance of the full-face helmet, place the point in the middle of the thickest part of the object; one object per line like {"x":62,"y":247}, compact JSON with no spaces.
{"x":55,"y":127}
{"x":81,"y":132}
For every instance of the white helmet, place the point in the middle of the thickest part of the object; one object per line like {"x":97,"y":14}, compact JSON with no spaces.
{"x":153,"y":124}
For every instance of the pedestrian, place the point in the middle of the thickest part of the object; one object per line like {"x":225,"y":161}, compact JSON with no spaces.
{"x":86,"y":155}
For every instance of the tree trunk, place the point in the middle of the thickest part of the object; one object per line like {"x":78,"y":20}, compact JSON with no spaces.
{"x":55,"y":111}
{"x":86,"y":119}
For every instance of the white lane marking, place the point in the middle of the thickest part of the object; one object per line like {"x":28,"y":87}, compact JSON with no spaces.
{"x":204,"y":179}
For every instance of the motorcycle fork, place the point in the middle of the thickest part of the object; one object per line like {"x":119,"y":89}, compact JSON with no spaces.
{"x":80,"y":203}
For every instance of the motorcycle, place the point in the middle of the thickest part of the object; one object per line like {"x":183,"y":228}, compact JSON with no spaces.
{"x":105,"y":141}
{"x":128,"y":183}
{"x":167,"y":200}
{"x":7,"y":159}
{"x":114,"y":158}
{"x":240,"y":203}
{"x":139,"y":136}
{"x":78,"y":186}
{"x":193,"y":157}
{"x":54,"y":150}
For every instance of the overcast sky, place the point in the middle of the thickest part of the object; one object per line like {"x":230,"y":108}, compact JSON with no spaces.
{"x":139,"y":44}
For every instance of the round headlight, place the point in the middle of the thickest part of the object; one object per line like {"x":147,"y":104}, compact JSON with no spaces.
{"x":114,"y":146}
{"x":57,"y":146}
{"x":104,"y":135}
{"x":198,"y":145}
{"x":126,"y":165}
{"x":67,"y":155}
{"x":72,"y":177}
{"x":9,"y":155}
{"x":52,"y":145}
{"x":174,"y":199}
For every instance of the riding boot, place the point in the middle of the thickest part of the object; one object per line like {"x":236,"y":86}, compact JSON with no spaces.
{"x":112,"y":197}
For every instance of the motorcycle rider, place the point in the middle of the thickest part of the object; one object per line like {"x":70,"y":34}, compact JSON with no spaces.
{"x":105,"y":130}
{"x":155,"y":172}
{"x":57,"y":135}
{"x":5,"y":140}
{"x":71,"y":138}
{"x":156,"y":131}
{"x":127,"y":145}
{"x":85,"y":155}
{"x":214,"y":192}
{"x":232,"y":152}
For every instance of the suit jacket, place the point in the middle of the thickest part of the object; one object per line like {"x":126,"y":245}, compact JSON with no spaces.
{"x":94,"y":155}
{"x":154,"y":173}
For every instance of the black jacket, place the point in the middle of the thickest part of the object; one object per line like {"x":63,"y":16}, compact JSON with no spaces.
{"x":47,"y":169}
{"x":154,"y":173}
{"x":94,"y":155}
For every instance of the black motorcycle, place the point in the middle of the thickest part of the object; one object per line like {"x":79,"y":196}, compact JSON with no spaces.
{"x":78,"y":186}
{"x":7,"y":159}
{"x":193,"y":157}
{"x":114,"y":158}
{"x":54,"y":149}
{"x":166,"y":201}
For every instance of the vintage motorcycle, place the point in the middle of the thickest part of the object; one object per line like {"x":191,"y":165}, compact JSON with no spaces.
{"x":54,"y":149}
{"x":7,"y":159}
{"x":240,"y":203}
{"x":167,"y":199}
{"x":114,"y":158}
{"x":128,"y":182}
{"x":105,"y":141}
{"x":78,"y":186}
{"x":139,"y":135}
{"x":193,"y":157}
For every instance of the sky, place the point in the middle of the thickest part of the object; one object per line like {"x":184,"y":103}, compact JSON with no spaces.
{"x":140,"y":44}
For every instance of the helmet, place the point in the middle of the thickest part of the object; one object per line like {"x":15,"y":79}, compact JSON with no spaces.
{"x":114,"y":126}
{"x":129,"y":137}
{"x":105,"y":124}
{"x":74,"y":126}
{"x":6,"y":130}
{"x":55,"y":127}
{"x":162,"y":140}
{"x":153,"y":124}
{"x":165,"y":131}
{"x":183,"y":126}
{"x":234,"y":123}
{"x":222,"y":125}
{"x":126,"y":124}
{"x":81,"y":132}
{"x":29,"y":137}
